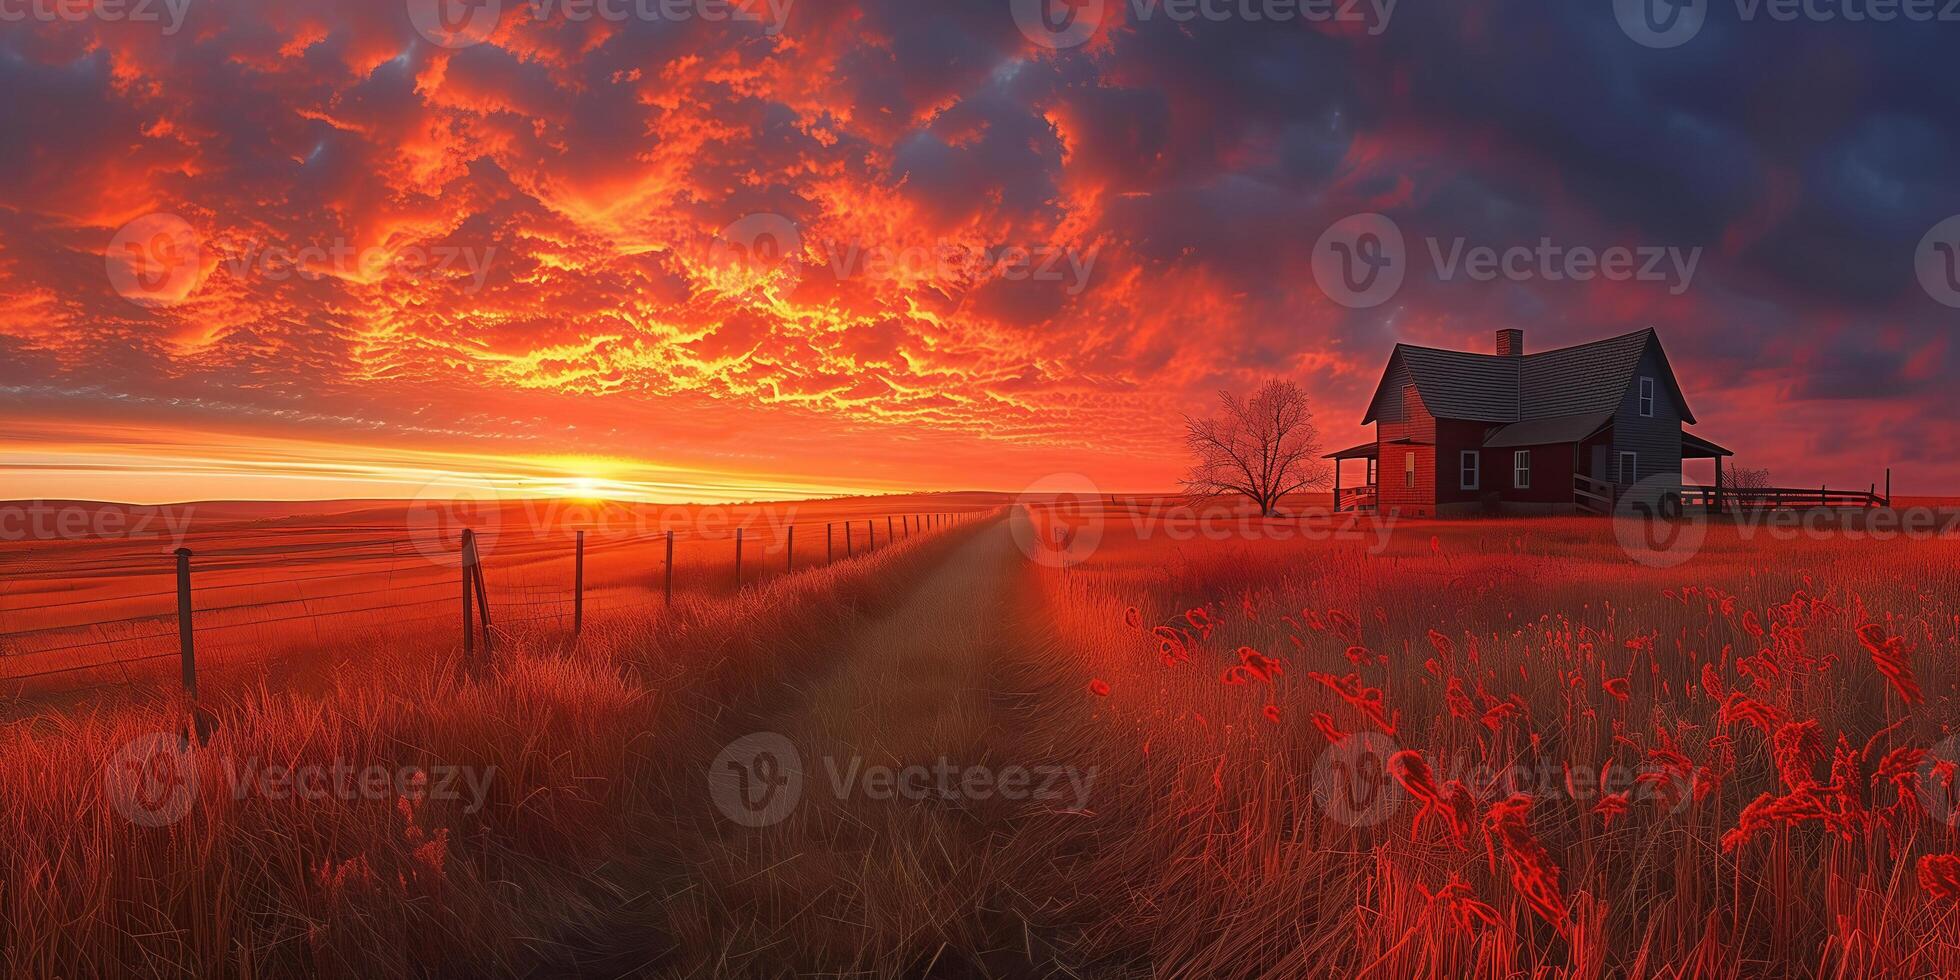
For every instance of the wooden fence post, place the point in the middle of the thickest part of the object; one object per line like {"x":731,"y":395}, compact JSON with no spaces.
{"x":738,"y":559}
{"x":469,"y":595}
{"x":789,"y":551}
{"x":670,"y":568}
{"x":870,"y":536}
{"x":475,"y":562}
{"x":888,"y":529}
{"x":186,"y":647}
{"x":829,"y":532}
{"x":578,"y":587}
{"x":848,"y":550}
{"x":1888,"y":486}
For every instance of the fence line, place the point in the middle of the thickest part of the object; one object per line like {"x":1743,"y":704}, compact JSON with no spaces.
{"x":483,"y":615}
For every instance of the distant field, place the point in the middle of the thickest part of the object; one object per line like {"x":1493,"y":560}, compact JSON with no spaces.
{"x":88,"y":590}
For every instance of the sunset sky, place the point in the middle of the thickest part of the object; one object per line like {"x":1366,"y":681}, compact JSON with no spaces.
{"x":533,"y":259}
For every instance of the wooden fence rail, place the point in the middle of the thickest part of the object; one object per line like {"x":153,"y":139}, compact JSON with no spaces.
{"x":477,"y":625}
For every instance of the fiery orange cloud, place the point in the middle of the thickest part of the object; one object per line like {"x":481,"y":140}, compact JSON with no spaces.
{"x":989,"y":261}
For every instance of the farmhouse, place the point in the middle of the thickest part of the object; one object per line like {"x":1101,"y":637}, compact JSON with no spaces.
{"x":1573,"y":429}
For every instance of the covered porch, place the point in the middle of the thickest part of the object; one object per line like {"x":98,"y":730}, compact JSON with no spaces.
{"x":1695,"y":447}
{"x":1362,"y":496}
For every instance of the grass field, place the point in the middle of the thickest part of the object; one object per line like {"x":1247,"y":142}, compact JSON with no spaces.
{"x":1498,"y":748}
{"x":575,"y":755}
{"x":1115,"y":740}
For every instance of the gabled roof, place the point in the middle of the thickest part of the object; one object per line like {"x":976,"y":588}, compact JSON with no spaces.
{"x":1584,"y":379}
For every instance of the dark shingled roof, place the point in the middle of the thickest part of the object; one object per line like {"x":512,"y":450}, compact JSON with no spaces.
{"x":1586,"y":379}
{"x":1547,"y":432}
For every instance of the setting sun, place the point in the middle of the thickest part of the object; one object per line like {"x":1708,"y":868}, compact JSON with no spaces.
{"x":931,"y":489}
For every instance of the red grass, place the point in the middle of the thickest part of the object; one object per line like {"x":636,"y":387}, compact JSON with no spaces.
{"x":1732,"y":793}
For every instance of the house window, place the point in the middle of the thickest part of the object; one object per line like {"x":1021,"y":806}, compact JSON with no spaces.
{"x":1470,"y":458}
{"x":1521,"y":469}
{"x":1409,"y":470}
{"x":1629,"y":469}
{"x":1647,"y":398}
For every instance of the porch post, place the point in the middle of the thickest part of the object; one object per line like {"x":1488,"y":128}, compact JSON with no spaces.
{"x":1718,"y":483}
{"x":1337,"y":483}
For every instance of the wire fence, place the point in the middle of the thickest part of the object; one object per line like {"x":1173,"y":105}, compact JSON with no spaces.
{"x":84,"y":619}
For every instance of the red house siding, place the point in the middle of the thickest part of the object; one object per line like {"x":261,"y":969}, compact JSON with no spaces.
{"x":1452,"y":440}
{"x":1551,"y":473}
{"x":1407,"y":429}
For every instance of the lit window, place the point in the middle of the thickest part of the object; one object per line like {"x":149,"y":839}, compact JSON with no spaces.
{"x":1521,"y":469}
{"x":1409,"y":470}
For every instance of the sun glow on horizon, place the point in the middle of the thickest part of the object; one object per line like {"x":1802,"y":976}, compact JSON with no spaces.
{"x":145,"y":465}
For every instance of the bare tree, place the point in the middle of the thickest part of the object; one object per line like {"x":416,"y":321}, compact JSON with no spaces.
{"x":1264,"y":447}
{"x":1744,"y":478}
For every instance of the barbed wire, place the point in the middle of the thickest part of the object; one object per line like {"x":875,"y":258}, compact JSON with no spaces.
{"x":522,"y":555}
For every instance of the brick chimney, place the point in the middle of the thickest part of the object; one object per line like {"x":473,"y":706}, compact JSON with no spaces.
{"x":1510,"y":343}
